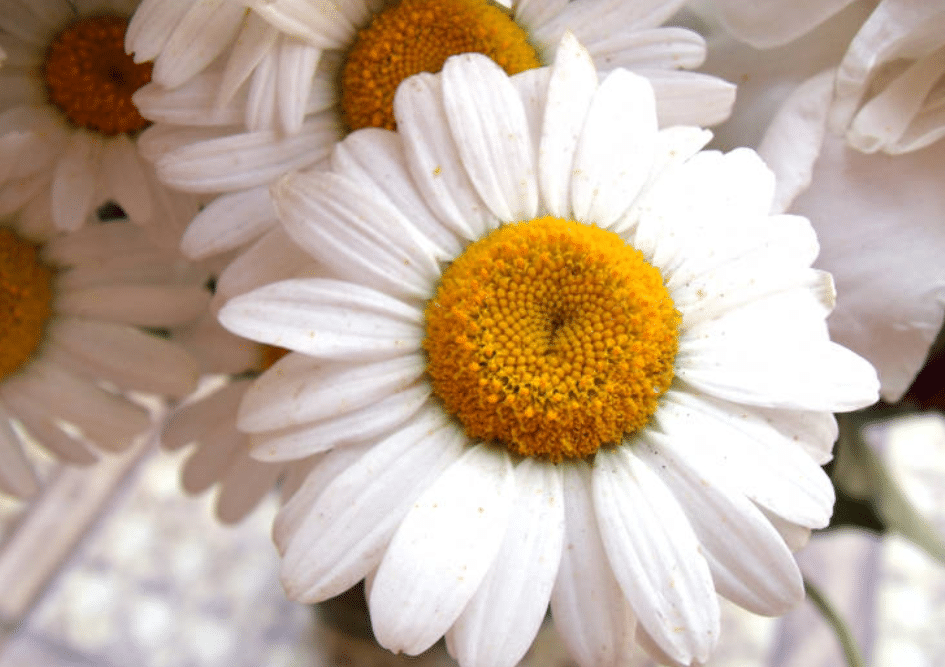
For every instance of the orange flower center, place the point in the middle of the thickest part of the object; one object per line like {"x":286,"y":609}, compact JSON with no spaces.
{"x":91,"y":79}
{"x":551,"y":337}
{"x":416,"y":36}
{"x":25,"y":301}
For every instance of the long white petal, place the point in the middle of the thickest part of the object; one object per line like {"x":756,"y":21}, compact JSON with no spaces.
{"x":346,"y":531}
{"x":328,"y":319}
{"x":655,"y":556}
{"x":442,"y":551}
{"x":489,"y":126}
{"x":501,"y":620}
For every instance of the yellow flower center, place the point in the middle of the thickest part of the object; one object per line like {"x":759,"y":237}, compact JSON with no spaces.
{"x":416,"y":36}
{"x":91,"y":79}
{"x":25,"y":301}
{"x":551,"y":337}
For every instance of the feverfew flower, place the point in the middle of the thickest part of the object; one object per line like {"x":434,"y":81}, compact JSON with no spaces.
{"x":568,"y":359}
{"x":72,"y":338}
{"x":366,"y":49}
{"x":68,"y":126}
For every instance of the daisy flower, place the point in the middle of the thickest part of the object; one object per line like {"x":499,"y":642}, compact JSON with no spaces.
{"x":568,"y":358}
{"x":67,"y":123}
{"x":76,"y":309}
{"x":850,"y":114}
{"x":366,"y":50}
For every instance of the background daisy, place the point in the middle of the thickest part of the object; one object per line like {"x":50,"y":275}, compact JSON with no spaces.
{"x":67,"y":123}
{"x":471,"y":499}
{"x":75,"y":338}
{"x":197,"y":148}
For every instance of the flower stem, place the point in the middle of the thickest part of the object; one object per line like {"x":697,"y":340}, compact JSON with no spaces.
{"x":850,"y":650}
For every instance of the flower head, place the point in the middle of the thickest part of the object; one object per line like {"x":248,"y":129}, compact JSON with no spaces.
{"x":364,"y":51}
{"x":567,"y":358}
{"x":68,"y":125}
{"x":73,"y":340}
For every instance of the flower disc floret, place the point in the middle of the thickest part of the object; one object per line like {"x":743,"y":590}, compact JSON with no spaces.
{"x":552,"y":337}
{"x":416,"y":36}
{"x":25,"y":301}
{"x":91,"y":79}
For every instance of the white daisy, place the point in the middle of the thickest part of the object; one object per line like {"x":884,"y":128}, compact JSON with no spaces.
{"x":367,"y":48}
{"x":67,"y":123}
{"x":568,"y":358}
{"x":73,"y":341}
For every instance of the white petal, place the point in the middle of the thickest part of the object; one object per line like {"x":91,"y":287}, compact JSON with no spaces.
{"x":655,"y":48}
{"x":325,"y":468}
{"x":347,"y":529}
{"x":615,"y":151}
{"x":323,"y":24}
{"x":255,"y":39}
{"x":501,"y":620}
{"x":590,"y":610}
{"x":357,"y":426}
{"x":298,"y":389}
{"x":363,"y":240}
{"x":238,"y":161}
{"x":374,"y":159}
{"x":191,"y":422}
{"x":655,"y":556}
{"x":327,"y":319}
{"x":190,"y":104}
{"x":204,"y":32}
{"x":74,"y":181}
{"x":216,"y":452}
{"x":434,"y":160}
{"x":228,"y":222}
{"x":42,"y":426}
{"x":151,"y":25}
{"x":141,"y":305}
{"x":261,"y":96}
{"x":297,"y":65}
{"x":107,"y":419}
{"x":271,"y":258}
{"x":762,"y":462}
{"x":442,"y":551}
{"x":690,"y":98}
{"x":123,"y":355}
{"x":491,"y":132}
{"x":246,"y":483}
{"x":587,"y":20}
{"x":570,"y":90}
{"x":792,"y":141}
{"x":750,"y":563}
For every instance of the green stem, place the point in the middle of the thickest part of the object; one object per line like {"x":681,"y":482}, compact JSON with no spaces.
{"x":893,"y":507}
{"x":850,"y":650}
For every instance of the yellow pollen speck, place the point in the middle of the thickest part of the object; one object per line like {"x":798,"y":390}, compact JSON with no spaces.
{"x":414,"y":36}
{"x":91,"y":79}
{"x":571,"y":337}
{"x":25,"y":301}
